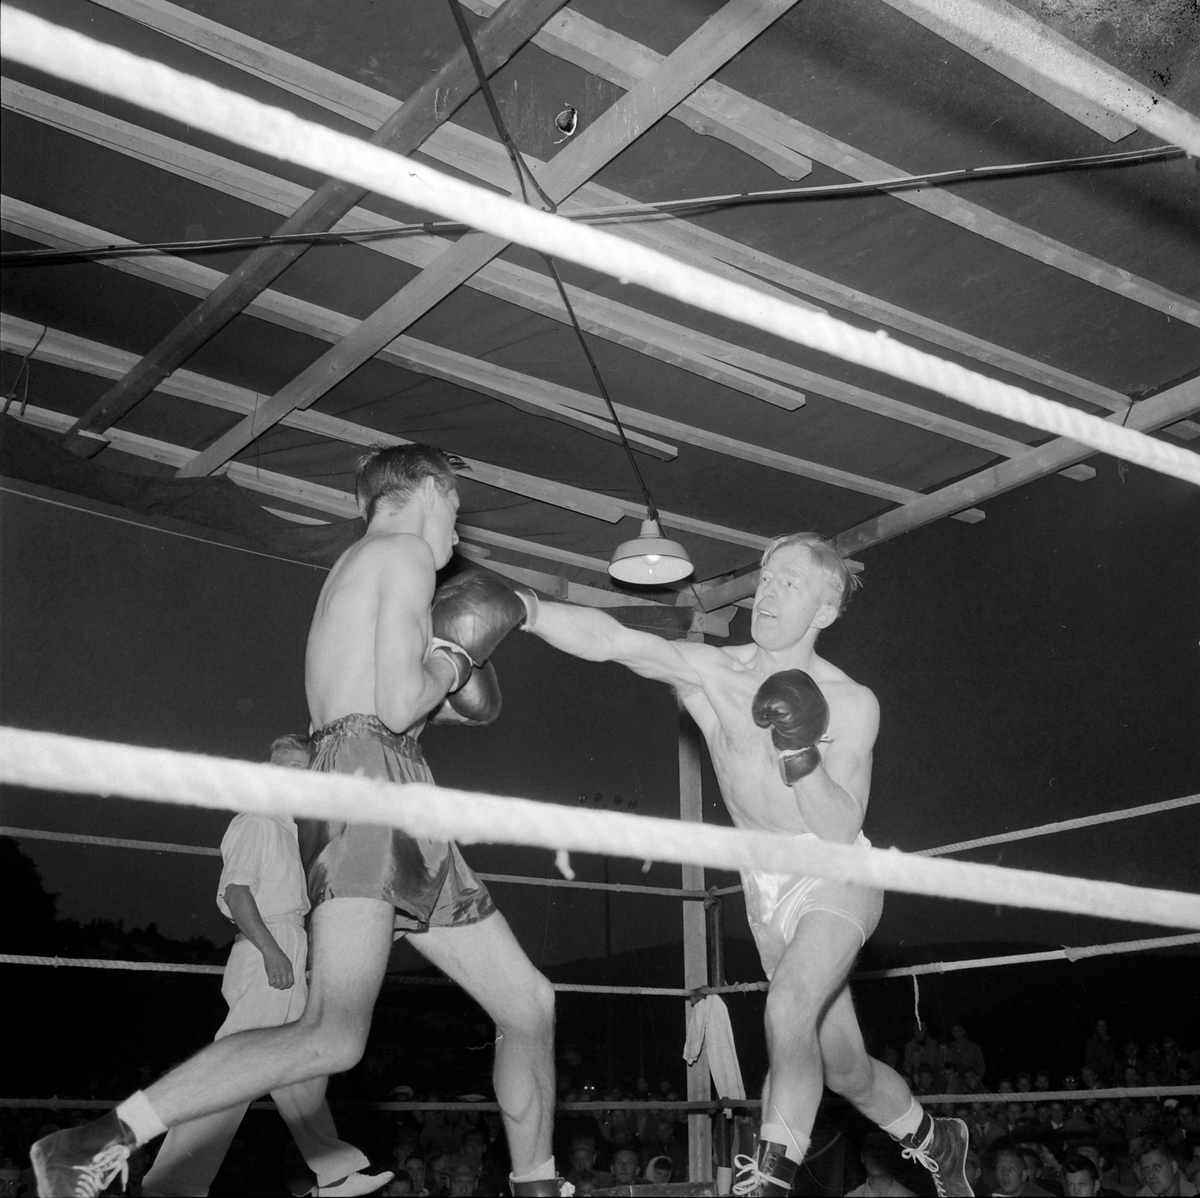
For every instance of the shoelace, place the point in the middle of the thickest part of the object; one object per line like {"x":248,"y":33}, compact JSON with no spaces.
{"x":750,"y":1177}
{"x":99,"y":1172}
{"x":923,"y":1158}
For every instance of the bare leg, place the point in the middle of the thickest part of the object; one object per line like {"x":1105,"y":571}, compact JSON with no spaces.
{"x":811,"y":973}
{"x":873,"y":1087}
{"x":486,"y":960}
{"x":351,"y":941}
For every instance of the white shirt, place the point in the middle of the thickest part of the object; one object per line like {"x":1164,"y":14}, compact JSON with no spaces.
{"x":261,"y":852}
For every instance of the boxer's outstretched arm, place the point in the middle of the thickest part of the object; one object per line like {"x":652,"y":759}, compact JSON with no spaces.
{"x":595,"y":636}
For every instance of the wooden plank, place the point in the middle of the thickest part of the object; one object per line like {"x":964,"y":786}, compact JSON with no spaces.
{"x":1097,"y":118}
{"x":36,"y":224}
{"x":616,"y":57}
{"x":433,"y":102}
{"x":1021,"y":37}
{"x":1185,"y":430}
{"x":658,"y":338}
{"x":78,"y":353}
{"x":695,"y":942}
{"x":723,"y":361}
{"x":1176,"y":403}
{"x":698,"y":111}
{"x":620,"y":59}
{"x":716,"y":41}
{"x":526,"y":392}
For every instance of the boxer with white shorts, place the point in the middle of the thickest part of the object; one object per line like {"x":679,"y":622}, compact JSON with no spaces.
{"x":791,"y":738}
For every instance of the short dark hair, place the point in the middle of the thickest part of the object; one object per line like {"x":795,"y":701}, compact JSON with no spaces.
{"x":396,"y":471}
{"x":293,"y":741}
{"x":1081,"y":1164}
{"x":1153,"y":1143}
{"x":825,"y":556}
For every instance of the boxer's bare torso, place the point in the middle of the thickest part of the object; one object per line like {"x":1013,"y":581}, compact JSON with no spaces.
{"x":743,"y":757}
{"x":369,"y":637}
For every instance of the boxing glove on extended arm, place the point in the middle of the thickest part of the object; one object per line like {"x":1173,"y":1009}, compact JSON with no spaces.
{"x":474,"y":612}
{"x":791,"y":704}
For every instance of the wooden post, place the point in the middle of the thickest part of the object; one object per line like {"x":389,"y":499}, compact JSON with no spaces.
{"x":695,"y":944}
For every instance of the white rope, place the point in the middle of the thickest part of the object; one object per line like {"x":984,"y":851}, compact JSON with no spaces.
{"x":1062,"y":825}
{"x":156,"y":846}
{"x":274,"y":131}
{"x":103,"y":963}
{"x":51,"y":761}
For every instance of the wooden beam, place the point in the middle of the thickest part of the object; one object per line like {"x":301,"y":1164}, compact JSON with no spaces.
{"x":342,"y":505}
{"x":36,"y":224}
{"x":1022,"y":38}
{"x":717,"y":40}
{"x":432,"y":103}
{"x":320,"y":85}
{"x":64,"y":349}
{"x":724,"y":362}
{"x":691,"y":350}
{"x":607,"y":54}
{"x":619,"y":58}
{"x":1097,"y":118}
{"x":1176,"y":403}
{"x":77,"y":353}
{"x":1185,"y":430}
{"x":526,"y":392}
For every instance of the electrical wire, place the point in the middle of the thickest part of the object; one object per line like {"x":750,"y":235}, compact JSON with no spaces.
{"x":610,"y":214}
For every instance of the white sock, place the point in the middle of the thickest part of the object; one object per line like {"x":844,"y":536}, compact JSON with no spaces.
{"x":908,"y":1123}
{"x":139,"y":1116}
{"x":779,"y":1133}
{"x":544,"y":1172}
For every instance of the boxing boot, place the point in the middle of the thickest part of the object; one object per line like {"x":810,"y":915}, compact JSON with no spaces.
{"x":83,"y":1160}
{"x":768,"y":1174}
{"x":941,"y":1146}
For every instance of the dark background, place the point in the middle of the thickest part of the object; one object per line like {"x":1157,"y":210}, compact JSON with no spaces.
{"x":1039,"y":666}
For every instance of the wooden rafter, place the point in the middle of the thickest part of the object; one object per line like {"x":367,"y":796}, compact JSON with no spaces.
{"x":36,"y":224}
{"x":692,"y":351}
{"x":713,"y":44}
{"x":1100,"y":120}
{"x":722,"y":361}
{"x":623,"y":60}
{"x":404,"y":130}
{"x":253,"y":55}
{"x":480,"y":157}
{"x":341,"y":505}
{"x":65,"y":349}
{"x":1175,"y":403}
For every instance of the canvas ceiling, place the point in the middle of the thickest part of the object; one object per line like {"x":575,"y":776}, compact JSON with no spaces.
{"x":1081,"y":286}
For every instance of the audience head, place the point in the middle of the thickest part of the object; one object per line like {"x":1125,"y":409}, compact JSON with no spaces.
{"x":659,"y":1169}
{"x":878,"y":1154}
{"x":464,"y":1177}
{"x":292,"y":751}
{"x":1081,"y":1176}
{"x":415,"y":1167}
{"x":1011,"y":1172}
{"x":1159,"y":1168}
{"x":625,"y":1167}
{"x":583,"y":1153}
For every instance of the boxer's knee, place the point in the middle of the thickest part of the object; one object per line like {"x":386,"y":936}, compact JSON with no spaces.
{"x":334,"y":1042}
{"x":851,"y":1079}
{"x":793,"y":1011}
{"x":533,"y":1016}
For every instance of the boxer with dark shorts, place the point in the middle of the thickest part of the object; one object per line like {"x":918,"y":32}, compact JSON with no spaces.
{"x":791,"y":738}
{"x":427,"y":881}
{"x":385,"y":655}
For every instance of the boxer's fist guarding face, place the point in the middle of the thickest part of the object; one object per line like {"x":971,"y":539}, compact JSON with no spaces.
{"x":791,"y":704}
{"x":476,"y":611}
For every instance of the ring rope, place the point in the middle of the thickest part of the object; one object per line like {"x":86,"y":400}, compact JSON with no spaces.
{"x":204,"y":851}
{"x":712,"y":1106}
{"x":53,"y":761}
{"x":1058,"y":954}
{"x":1064,"y":825}
{"x":277,"y":132}
{"x":179,"y":967}
{"x":1064,"y":954}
